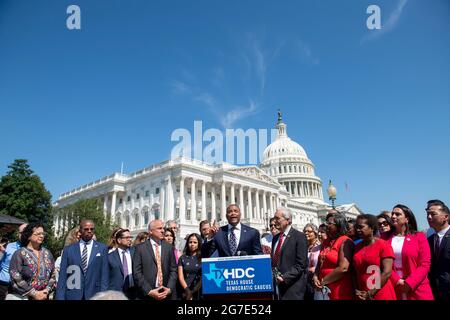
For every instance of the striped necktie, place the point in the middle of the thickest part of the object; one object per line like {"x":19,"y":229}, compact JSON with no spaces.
{"x":233,"y":241}
{"x":84,"y":262}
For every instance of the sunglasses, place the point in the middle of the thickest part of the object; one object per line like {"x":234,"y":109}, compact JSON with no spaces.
{"x":272,"y":226}
{"x":383,"y":224}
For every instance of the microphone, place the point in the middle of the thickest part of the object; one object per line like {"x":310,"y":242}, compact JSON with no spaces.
{"x":241,"y":253}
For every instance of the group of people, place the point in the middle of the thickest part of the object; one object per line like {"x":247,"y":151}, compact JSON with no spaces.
{"x":381,"y":257}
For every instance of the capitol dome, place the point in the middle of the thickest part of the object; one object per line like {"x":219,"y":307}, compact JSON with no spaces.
{"x":287,"y":161}
{"x":283,"y":146}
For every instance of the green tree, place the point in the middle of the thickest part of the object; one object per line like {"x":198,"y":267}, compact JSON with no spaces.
{"x":83,"y":209}
{"x":24,"y":196}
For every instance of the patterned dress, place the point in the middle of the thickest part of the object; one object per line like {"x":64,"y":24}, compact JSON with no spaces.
{"x":30,"y":273}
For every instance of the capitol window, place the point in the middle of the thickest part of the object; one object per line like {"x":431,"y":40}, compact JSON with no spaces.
{"x":157,"y":191}
{"x":138,"y":196}
{"x":147,"y":193}
{"x":128,"y":198}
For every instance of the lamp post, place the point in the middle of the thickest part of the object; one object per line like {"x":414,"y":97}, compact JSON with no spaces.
{"x":331,"y":190}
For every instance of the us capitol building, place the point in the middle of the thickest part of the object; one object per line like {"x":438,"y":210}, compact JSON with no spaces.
{"x":190,"y":191}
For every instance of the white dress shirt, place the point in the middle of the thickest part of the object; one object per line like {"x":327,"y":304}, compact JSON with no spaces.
{"x":89,"y":249}
{"x":237,"y":233}
{"x":153,"y":243}
{"x":286,"y":232}
{"x":442,"y":233}
{"x":128,"y":257}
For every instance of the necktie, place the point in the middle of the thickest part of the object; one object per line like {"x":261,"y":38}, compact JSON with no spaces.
{"x":436,"y":246}
{"x":233,"y":241}
{"x":276,"y":255}
{"x":84,"y":258}
{"x":126,"y":283}
{"x":158,"y":265}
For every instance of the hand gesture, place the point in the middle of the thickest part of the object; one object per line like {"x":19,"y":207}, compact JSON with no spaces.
{"x":316,"y":282}
{"x":213,"y":230}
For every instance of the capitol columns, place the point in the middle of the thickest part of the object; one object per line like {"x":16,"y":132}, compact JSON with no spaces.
{"x":223,"y":198}
{"x":250,"y":205}
{"x":232,"y":199}
{"x":169,"y":205}
{"x":203,"y":200}
{"x":162,"y":201}
{"x":113,"y":205}
{"x":193,"y":202}
{"x":265,"y":204}
{"x":182,"y":202}
{"x":105,"y":205}
{"x":241,"y":200}
{"x":213,"y":203}
{"x":258,"y":210}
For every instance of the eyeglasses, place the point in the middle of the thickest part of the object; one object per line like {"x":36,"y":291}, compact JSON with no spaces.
{"x":272,"y":226}
{"x":39,"y":234}
{"x":126,"y":237}
{"x":88,"y":229}
{"x":383,"y":224}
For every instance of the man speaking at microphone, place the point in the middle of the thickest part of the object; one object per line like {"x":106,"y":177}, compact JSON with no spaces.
{"x":234,"y":239}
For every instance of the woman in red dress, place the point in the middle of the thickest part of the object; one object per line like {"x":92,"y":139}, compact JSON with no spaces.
{"x":372,"y":262}
{"x":335,"y":256}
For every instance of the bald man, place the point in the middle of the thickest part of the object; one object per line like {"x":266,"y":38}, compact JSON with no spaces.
{"x":154,"y":266}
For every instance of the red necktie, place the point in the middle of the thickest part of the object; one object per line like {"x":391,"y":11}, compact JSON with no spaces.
{"x":276,"y":255}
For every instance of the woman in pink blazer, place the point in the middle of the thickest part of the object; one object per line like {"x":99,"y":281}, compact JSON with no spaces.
{"x":412,"y":257}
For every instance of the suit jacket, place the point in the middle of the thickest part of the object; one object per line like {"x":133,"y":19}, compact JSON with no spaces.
{"x":293,"y":265}
{"x":249,"y":242}
{"x":440,"y":268}
{"x":145,"y":269}
{"x":116,"y":277}
{"x":415,"y":267}
{"x":94,"y":280}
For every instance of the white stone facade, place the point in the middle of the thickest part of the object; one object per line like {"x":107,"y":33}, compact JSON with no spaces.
{"x":190,"y":191}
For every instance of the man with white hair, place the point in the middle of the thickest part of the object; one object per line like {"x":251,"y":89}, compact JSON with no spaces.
{"x":154,"y":266}
{"x":289,"y":258}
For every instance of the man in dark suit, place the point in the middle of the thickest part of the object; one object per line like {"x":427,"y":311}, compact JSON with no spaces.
{"x":84,"y":267}
{"x":439,"y":275}
{"x":120,"y":264}
{"x":154,"y":266}
{"x":233,"y":239}
{"x":289,"y":257}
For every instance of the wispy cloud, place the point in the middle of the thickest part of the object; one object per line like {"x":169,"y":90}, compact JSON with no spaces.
{"x":179,"y":87}
{"x":389,"y":25}
{"x":239,"y":113}
{"x":306,"y":53}
{"x":252,"y":64}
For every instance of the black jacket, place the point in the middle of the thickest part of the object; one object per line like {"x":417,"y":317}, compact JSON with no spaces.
{"x":439,"y":274}
{"x":293,"y":265}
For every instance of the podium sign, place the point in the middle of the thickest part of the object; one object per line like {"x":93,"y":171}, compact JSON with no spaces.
{"x":243,"y":274}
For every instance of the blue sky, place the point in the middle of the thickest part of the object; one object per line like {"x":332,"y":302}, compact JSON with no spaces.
{"x":371,"y":108}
